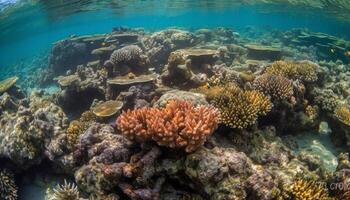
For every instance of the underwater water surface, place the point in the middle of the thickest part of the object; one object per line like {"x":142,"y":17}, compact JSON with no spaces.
{"x":152,"y":100}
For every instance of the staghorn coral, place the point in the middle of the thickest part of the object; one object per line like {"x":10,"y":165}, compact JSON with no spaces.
{"x":66,"y":191}
{"x":179,"y":125}
{"x":303,"y":70}
{"x":276,"y":86}
{"x":303,"y":189}
{"x":239,"y":108}
{"x":8,"y":188}
{"x":342,"y":113}
{"x":77,"y":127}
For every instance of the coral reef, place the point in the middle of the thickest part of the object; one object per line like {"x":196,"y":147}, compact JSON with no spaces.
{"x":25,"y":134}
{"x":303,"y":70}
{"x":276,"y":86}
{"x":78,"y":127}
{"x":108,"y":108}
{"x":178,"y":125}
{"x":189,"y":67}
{"x":8,"y":187}
{"x":241,"y":109}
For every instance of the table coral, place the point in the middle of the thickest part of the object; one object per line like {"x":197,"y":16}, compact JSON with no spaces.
{"x":303,"y":70}
{"x":241,"y":109}
{"x":179,"y":125}
{"x":7,"y":83}
{"x":276,"y":86}
{"x":8,"y":187}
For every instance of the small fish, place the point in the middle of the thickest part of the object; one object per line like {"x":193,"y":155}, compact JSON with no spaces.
{"x":103,"y":44}
{"x":332,"y":50}
{"x":347,"y":53}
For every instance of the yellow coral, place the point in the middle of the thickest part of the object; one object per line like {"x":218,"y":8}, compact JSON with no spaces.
{"x":343,"y":114}
{"x":303,"y":189}
{"x":239,"y":108}
{"x":311,"y":112}
{"x":78,"y":127}
{"x":304,"y":70}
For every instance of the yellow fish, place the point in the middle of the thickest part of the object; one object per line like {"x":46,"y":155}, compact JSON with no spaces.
{"x":347,"y":53}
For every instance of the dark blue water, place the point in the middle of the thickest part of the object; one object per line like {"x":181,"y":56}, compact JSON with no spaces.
{"x":32,"y":29}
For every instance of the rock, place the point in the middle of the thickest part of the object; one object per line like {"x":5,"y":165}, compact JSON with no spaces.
{"x":194,"y":98}
{"x":259,"y":52}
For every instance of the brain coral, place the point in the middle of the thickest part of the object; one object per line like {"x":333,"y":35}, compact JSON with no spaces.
{"x":239,"y":108}
{"x":8,"y":188}
{"x":126,"y":55}
{"x":277,"y":87}
{"x":304,"y":70}
{"x":179,"y":125}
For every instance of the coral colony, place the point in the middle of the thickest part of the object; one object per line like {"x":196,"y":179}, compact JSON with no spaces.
{"x":178,"y":115}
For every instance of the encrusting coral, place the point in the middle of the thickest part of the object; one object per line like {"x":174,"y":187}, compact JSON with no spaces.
{"x":239,"y":108}
{"x":66,"y":191}
{"x":303,"y":70}
{"x":276,"y":86}
{"x":179,"y":125}
{"x":342,"y":113}
{"x":8,"y":187}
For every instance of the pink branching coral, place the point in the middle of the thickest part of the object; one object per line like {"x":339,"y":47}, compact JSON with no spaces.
{"x":179,"y":125}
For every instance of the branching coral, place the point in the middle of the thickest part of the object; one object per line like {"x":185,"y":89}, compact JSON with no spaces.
{"x":8,"y":188}
{"x":308,"y":190}
{"x":66,"y":191}
{"x":342,"y":113}
{"x":77,"y":127}
{"x":239,"y":108}
{"x":304,"y":70}
{"x":179,"y":125}
{"x":276,"y":86}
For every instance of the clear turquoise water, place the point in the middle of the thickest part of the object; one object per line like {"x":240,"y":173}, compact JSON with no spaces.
{"x":32,"y":28}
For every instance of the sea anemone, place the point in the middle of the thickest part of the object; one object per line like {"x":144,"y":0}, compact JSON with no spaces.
{"x":8,"y":188}
{"x":179,"y":125}
{"x":66,"y":191}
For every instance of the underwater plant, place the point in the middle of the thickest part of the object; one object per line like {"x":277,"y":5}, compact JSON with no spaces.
{"x":179,"y":125}
{"x":276,"y":86}
{"x":342,"y":113}
{"x":303,"y":70}
{"x":8,"y":187}
{"x":241,"y":109}
{"x":65,"y":191}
